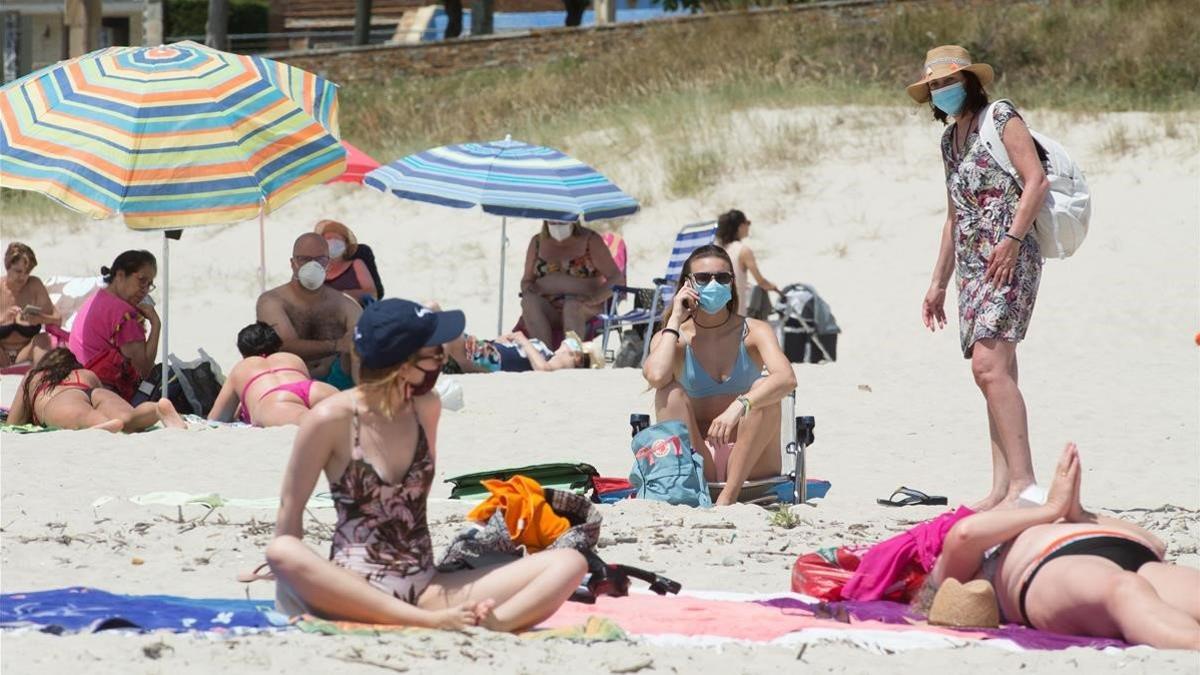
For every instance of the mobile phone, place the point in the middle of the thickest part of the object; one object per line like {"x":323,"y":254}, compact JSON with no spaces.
{"x":31,"y":310}
{"x":148,"y":301}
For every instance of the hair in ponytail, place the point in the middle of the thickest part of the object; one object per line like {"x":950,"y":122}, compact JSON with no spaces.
{"x":128,"y":262}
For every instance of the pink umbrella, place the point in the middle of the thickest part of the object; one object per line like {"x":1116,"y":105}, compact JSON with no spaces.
{"x":358,"y":164}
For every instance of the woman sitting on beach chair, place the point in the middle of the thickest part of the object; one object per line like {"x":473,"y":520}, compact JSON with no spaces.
{"x":346,"y":272}
{"x":26,"y":307}
{"x":60,"y":392}
{"x":516,"y":353}
{"x":568,"y":280}
{"x":267,"y":388}
{"x":729,"y":401}
{"x":1058,"y":568}
{"x":377,"y":444}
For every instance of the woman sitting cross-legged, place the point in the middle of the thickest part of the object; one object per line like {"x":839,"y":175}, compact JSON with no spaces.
{"x":267,"y":388}
{"x":707,"y":367}
{"x":60,"y":392}
{"x":1062,"y":569}
{"x":377,"y":445}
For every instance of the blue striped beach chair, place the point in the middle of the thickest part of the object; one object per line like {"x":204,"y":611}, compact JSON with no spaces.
{"x":690,"y":238}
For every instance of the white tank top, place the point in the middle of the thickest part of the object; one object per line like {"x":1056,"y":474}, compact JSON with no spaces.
{"x":741,"y":277}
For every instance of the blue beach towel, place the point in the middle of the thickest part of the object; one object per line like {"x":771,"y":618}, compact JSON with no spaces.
{"x":90,"y":610}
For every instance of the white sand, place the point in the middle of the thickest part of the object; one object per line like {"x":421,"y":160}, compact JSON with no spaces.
{"x":1109,"y":362}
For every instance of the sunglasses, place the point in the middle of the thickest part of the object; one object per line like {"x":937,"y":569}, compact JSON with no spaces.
{"x":439,"y":356}
{"x":703,"y":278}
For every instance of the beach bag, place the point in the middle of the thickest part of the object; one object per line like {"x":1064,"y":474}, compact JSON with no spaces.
{"x":113,"y":368}
{"x":666,"y":469}
{"x":192,"y":386}
{"x":1062,"y":223}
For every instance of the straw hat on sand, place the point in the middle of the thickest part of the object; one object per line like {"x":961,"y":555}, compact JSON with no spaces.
{"x":969,"y":605}
{"x":947,"y":60}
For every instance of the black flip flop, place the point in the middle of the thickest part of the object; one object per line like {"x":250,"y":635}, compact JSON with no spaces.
{"x":911,"y":498}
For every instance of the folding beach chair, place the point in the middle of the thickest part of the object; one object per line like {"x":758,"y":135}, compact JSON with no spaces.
{"x":690,"y":238}
{"x":791,"y":486}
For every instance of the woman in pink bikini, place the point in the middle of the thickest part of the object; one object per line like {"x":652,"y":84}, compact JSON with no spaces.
{"x":377,"y":445}
{"x":267,"y":388}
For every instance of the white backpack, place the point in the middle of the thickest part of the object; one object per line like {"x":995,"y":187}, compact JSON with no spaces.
{"x":1062,"y":223}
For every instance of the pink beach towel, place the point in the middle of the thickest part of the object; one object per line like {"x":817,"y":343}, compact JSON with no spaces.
{"x":885,"y":563}
{"x":642,"y":614}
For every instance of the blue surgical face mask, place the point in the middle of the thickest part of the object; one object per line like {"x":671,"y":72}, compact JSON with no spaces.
{"x":714,"y":296}
{"x":950,"y":99}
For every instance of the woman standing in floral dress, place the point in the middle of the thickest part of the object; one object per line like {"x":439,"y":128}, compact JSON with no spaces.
{"x":987,"y":238}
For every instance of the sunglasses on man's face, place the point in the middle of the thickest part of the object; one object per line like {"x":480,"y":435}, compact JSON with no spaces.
{"x":703,"y":278}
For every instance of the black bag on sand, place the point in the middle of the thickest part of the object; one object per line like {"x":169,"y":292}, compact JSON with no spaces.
{"x":193,"y":386}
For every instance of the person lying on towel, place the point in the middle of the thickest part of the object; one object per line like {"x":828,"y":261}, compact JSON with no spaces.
{"x":1061,"y":569}
{"x":377,"y":446}
{"x":707,"y":367}
{"x":516,"y":353}
{"x":60,"y":392}
{"x":267,"y":388}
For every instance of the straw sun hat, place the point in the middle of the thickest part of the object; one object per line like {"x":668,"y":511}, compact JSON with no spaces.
{"x":943,"y":61}
{"x":334,"y":227}
{"x":969,"y":605}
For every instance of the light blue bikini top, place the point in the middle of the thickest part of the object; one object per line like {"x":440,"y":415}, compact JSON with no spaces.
{"x":699,"y":384}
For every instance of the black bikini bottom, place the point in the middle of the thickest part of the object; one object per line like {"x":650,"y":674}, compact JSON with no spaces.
{"x":1129,"y":555}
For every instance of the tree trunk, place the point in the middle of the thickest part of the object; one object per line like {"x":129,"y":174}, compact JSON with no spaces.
{"x":362,"y":22}
{"x":217,"y":30}
{"x":481,"y":16}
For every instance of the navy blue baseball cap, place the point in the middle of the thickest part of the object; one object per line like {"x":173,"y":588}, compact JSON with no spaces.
{"x":390,"y":331}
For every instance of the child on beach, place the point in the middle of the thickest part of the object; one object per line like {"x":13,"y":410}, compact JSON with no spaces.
{"x":60,"y":392}
{"x":377,"y":444}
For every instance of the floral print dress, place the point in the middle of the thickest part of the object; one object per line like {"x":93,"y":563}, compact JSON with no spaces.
{"x":985,"y":201}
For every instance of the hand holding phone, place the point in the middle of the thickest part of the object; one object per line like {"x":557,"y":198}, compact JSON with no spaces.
{"x":31,"y":310}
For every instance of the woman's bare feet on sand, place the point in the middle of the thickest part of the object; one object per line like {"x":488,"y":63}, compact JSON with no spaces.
{"x":169,"y":416}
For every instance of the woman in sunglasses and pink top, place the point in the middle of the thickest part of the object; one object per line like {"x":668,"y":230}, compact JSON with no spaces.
{"x":707,"y":365}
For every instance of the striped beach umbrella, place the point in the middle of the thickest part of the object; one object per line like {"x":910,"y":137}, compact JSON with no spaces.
{"x":169,"y":136}
{"x":506,"y":178}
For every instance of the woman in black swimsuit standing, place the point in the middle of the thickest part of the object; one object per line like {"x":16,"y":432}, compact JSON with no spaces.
{"x":26,"y":306}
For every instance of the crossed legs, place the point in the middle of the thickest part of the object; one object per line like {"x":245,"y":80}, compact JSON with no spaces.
{"x":525,"y":591}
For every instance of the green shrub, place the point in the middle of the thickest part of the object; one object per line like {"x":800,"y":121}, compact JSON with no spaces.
{"x":190,"y":17}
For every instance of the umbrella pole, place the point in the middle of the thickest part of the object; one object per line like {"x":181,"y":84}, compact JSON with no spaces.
{"x":262,"y":253}
{"x":166,"y":316}
{"x":503,"y":247}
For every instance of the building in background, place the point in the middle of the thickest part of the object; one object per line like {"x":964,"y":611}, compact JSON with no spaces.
{"x":39,"y":33}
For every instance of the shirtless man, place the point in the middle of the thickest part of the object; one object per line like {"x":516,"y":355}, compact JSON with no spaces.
{"x":314,"y":321}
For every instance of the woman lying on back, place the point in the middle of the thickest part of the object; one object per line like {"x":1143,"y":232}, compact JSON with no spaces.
{"x":1059,"y":568}
{"x":59,"y":392}
{"x":267,"y":388}
{"x":376,"y":443}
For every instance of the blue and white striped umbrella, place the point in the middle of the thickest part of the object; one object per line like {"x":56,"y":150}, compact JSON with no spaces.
{"x":505,"y":178}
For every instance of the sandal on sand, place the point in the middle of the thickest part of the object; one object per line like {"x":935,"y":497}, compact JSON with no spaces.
{"x":911,"y":497}
{"x":256,"y":575}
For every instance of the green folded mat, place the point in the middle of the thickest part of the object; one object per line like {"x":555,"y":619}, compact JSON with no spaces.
{"x":562,"y":476}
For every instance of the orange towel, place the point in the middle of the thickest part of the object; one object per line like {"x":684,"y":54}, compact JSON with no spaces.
{"x":529,"y":518}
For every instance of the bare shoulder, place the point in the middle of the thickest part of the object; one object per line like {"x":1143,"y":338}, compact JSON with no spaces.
{"x":428,"y":407}
{"x":333,"y":411}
